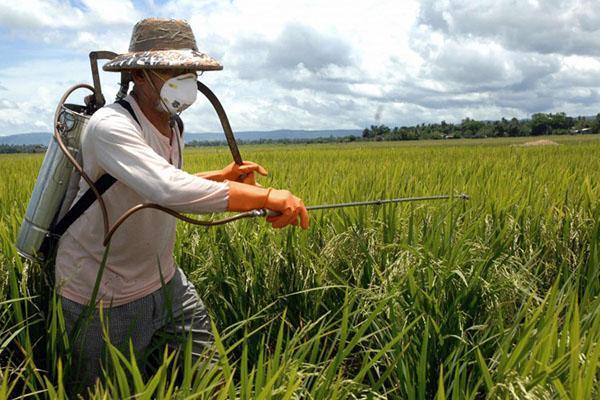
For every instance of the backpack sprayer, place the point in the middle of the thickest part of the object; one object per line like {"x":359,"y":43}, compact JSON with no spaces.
{"x":58,"y":180}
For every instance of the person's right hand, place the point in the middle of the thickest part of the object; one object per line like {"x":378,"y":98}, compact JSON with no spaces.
{"x":291,"y":209}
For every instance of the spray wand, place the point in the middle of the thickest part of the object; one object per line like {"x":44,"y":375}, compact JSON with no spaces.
{"x":267,"y":213}
{"x":235,"y":152}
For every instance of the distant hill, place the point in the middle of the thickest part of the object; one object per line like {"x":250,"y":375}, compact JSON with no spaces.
{"x":44,"y":138}
{"x":273,"y":135}
{"x":33,"y":138}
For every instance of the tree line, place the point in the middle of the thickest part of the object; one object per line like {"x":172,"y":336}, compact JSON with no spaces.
{"x":21,"y":148}
{"x":539,"y":124}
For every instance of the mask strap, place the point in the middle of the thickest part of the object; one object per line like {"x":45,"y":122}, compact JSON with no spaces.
{"x":179,"y":156}
{"x":155,"y":89}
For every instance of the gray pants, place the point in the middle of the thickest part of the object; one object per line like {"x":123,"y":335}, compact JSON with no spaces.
{"x":167,"y":316}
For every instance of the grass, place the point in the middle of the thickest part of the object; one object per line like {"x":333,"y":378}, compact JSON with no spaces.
{"x":497,"y":297}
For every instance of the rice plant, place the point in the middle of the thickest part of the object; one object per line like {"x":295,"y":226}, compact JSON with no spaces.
{"x":496,"y":297}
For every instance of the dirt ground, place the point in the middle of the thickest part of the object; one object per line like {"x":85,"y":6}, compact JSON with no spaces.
{"x":543,"y":142}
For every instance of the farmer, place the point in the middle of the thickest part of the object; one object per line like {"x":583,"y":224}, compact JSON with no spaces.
{"x":142,"y":294}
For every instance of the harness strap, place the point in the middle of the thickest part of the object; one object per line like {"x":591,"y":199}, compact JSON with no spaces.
{"x":84,"y":202}
{"x":128,"y":107}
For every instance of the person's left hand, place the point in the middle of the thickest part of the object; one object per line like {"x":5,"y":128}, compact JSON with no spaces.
{"x":234,"y":172}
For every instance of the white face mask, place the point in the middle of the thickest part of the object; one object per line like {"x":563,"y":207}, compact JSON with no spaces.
{"x":178,"y":93}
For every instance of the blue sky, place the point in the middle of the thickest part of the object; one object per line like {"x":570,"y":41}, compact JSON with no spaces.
{"x":322,"y":65}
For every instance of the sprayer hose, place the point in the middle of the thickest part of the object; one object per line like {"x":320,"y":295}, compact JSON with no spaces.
{"x":58,"y":126}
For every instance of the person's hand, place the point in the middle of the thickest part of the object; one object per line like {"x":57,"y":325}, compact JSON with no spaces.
{"x":238,"y":173}
{"x":233,"y":171}
{"x":289,"y":209}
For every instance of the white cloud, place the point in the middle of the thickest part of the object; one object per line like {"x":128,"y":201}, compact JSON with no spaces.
{"x":550,"y":26}
{"x":35,"y":14}
{"x":35,"y":87}
{"x":54,"y":14}
{"x":112,"y":12}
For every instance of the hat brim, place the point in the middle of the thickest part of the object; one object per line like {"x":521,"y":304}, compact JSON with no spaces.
{"x":163,"y":59}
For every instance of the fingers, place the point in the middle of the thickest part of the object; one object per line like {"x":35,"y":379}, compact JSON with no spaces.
{"x":292,"y":216}
{"x":249,"y":166}
{"x":281,"y":222}
{"x":284,"y":220}
{"x":304,"y":219}
{"x":291,"y":209}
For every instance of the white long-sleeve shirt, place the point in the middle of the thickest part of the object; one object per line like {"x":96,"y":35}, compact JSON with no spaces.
{"x":143,"y":162}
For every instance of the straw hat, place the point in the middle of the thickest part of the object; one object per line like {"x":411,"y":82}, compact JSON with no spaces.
{"x":162,"y":44}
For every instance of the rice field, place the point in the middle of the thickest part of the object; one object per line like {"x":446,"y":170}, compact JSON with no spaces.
{"x":496,"y":297}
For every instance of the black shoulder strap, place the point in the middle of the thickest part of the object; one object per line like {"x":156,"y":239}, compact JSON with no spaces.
{"x":127,"y":106}
{"x":84,"y":202}
{"x":179,"y":124}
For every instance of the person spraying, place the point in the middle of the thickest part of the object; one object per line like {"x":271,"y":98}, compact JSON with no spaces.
{"x":137,"y":141}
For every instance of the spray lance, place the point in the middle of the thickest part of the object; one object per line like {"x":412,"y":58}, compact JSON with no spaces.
{"x":237,"y":158}
{"x":58,"y":179}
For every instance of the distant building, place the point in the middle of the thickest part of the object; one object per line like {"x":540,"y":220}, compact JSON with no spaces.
{"x":582,"y":130}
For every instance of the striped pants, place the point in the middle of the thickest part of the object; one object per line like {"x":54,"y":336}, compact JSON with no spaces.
{"x":167,"y":316}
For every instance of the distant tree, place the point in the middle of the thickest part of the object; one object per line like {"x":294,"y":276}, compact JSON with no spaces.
{"x":540,"y":124}
{"x":596,"y":124}
{"x":560,"y":123}
{"x":470,"y":127}
{"x":514,"y":128}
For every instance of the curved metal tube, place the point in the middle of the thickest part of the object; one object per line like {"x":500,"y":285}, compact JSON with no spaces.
{"x":235,"y":152}
{"x":139,"y":207}
{"x":94,"y":57}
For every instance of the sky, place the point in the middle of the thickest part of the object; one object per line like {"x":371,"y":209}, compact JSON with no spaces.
{"x":321,"y":64}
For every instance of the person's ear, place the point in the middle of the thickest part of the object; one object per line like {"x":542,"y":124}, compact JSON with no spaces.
{"x":137,"y":77}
